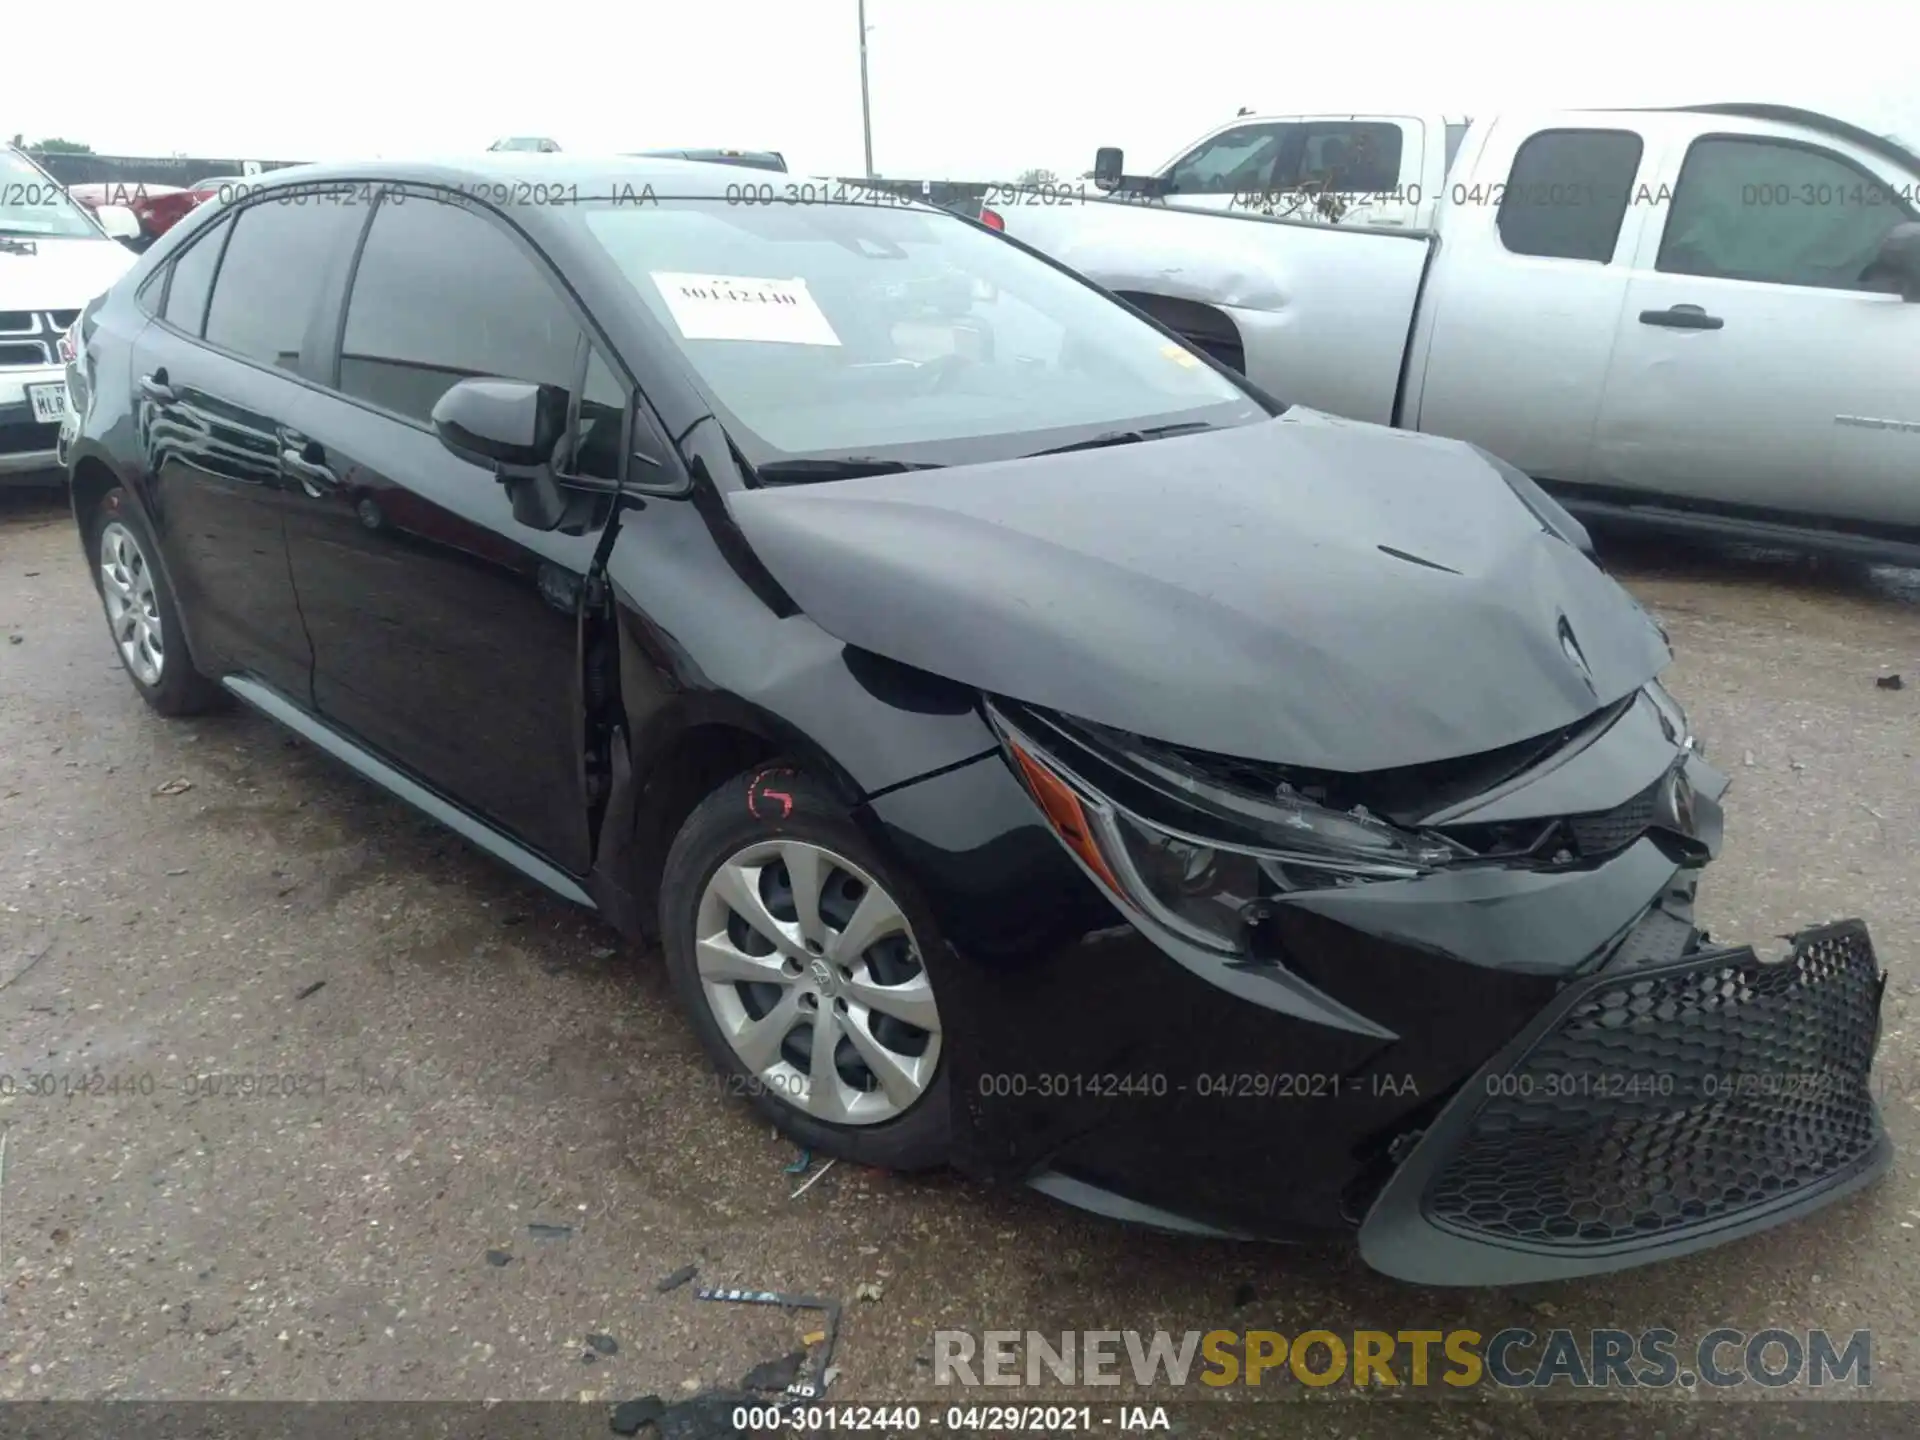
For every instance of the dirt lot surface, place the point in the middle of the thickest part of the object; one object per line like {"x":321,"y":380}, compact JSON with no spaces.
{"x":463,"y":1133}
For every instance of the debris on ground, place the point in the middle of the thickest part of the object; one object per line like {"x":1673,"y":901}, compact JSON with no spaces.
{"x":173,"y":787}
{"x":801,"y":1165}
{"x":499,"y":1257}
{"x":541,"y":1231}
{"x":705,"y":1417}
{"x":867,"y":1290}
{"x":605,"y":1344}
{"x":1891,"y":682}
{"x":809,"y":1182}
{"x":16,"y":639}
{"x":804,"y":1389}
{"x":677,"y":1279}
{"x":630,"y":1415}
{"x":313,"y":989}
{"x":774,"y":1374}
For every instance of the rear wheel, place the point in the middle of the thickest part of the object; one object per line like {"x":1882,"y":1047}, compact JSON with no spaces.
{"x":142,"y":615}
{"x":800,"y":957}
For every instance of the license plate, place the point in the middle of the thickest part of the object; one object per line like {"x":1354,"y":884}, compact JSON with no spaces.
{"x":49,"y":403}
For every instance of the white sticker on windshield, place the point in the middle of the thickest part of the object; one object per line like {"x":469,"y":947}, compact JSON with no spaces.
{"x":740,"y":307}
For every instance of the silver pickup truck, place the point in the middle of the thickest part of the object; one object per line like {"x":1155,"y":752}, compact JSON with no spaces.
{"x":1695,"y":319}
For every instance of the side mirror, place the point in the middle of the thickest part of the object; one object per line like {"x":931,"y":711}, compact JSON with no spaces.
{"x":1897,"y":266}
{"x":1109,"y":163}
{"x":119,"y":221}
{"x":516,"y":429}
{"x":501,"y":422}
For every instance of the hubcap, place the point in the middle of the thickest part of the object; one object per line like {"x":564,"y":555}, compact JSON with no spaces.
{"x":133,"y":612}
{"x":813,"y":974}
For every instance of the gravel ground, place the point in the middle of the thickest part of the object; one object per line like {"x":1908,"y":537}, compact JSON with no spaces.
{"x":467,"y":1061}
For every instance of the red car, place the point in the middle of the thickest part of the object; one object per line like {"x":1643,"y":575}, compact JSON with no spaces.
{"x":158,"y":207}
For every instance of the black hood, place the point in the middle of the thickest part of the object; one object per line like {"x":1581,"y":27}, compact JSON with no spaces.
{"x":1302,"y":591}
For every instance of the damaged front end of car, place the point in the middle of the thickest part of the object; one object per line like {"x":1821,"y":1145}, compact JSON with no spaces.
{"x":1576,"y":1079}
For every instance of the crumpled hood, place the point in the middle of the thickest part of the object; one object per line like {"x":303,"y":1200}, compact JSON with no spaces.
{"x":1302,"y":591}
{"x":62,"y":274}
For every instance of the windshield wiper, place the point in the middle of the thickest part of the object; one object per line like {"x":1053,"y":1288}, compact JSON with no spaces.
{"x":1125,"y":437}
{"x":843,"y":467}
{"x":12,"y":246}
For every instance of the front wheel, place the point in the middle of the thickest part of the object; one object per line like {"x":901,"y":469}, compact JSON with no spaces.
{"x":800,"y":956}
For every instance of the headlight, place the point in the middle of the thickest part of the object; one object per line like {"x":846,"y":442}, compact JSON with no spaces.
{"x":1206,"y":891}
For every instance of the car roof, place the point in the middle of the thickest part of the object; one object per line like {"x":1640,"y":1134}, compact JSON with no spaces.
{"x":497,"y":167}
{"x":593,"y":174}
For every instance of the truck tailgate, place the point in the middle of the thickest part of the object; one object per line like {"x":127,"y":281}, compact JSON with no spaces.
{"x":1324,"y":312}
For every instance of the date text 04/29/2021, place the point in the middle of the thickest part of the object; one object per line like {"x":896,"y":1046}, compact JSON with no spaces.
{"x":823,"y":1419}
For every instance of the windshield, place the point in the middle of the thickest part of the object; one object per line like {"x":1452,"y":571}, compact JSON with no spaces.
{"x":862,"y":329}
{"x":32,"y":204}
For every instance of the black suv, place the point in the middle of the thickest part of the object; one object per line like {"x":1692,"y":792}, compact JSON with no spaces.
{"x":1032,"y":748}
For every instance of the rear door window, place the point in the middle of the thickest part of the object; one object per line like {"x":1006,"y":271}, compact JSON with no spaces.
{"x":192,"y":280}
{"x":273,"y":271}
{"x":1567,"y":193}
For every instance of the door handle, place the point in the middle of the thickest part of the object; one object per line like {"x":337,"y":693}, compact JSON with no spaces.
{"x":306,"y":462}
{"x":154,"y":387}
{"x":1682,"y":317}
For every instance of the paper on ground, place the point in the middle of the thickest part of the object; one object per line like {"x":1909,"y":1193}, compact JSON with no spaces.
{"x":742,"y":307}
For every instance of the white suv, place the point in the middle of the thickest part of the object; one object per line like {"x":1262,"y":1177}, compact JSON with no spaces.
{"x":54,"y":258}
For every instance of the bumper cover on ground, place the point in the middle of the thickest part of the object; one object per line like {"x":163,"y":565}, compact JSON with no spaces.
{"x":1652,"y":1110}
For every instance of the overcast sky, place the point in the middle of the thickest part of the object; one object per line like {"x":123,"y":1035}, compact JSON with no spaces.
{"x":967,"y":89}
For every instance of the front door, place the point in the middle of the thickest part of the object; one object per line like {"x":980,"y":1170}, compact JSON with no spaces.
{"x":1753,"y":367}
{"x":446,"y":634}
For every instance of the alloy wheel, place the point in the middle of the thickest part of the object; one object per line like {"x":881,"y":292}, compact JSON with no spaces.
{"x":814,"y":977}
{"x":133,"y":610}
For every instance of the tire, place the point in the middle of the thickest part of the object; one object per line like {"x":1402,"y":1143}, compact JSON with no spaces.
{"x":748,"y":828}
{"x":143,"y":619}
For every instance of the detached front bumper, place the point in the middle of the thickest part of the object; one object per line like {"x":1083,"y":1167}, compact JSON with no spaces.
{"x":1652,"y":1110}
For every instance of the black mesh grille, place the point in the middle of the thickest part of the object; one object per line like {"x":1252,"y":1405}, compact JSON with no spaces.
{"x":1616,"y":828}
{"x":27,"y":439}
{"x":1584,"y":837}
{"x":1677,"y":1101}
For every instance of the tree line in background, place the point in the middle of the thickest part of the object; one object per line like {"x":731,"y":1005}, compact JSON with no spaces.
{"x":53,"y":146}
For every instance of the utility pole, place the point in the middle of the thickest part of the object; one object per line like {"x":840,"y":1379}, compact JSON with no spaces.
{"x":866,"y":112}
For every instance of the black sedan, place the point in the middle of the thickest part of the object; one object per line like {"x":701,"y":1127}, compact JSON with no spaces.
{"x":1033,"y":750}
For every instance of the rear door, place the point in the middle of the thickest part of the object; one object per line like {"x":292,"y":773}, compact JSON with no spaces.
{"x":1754,"y":367}
{"x":217,"y":379}
{"x":446,"y":634}
{"x":1518,"y":317}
